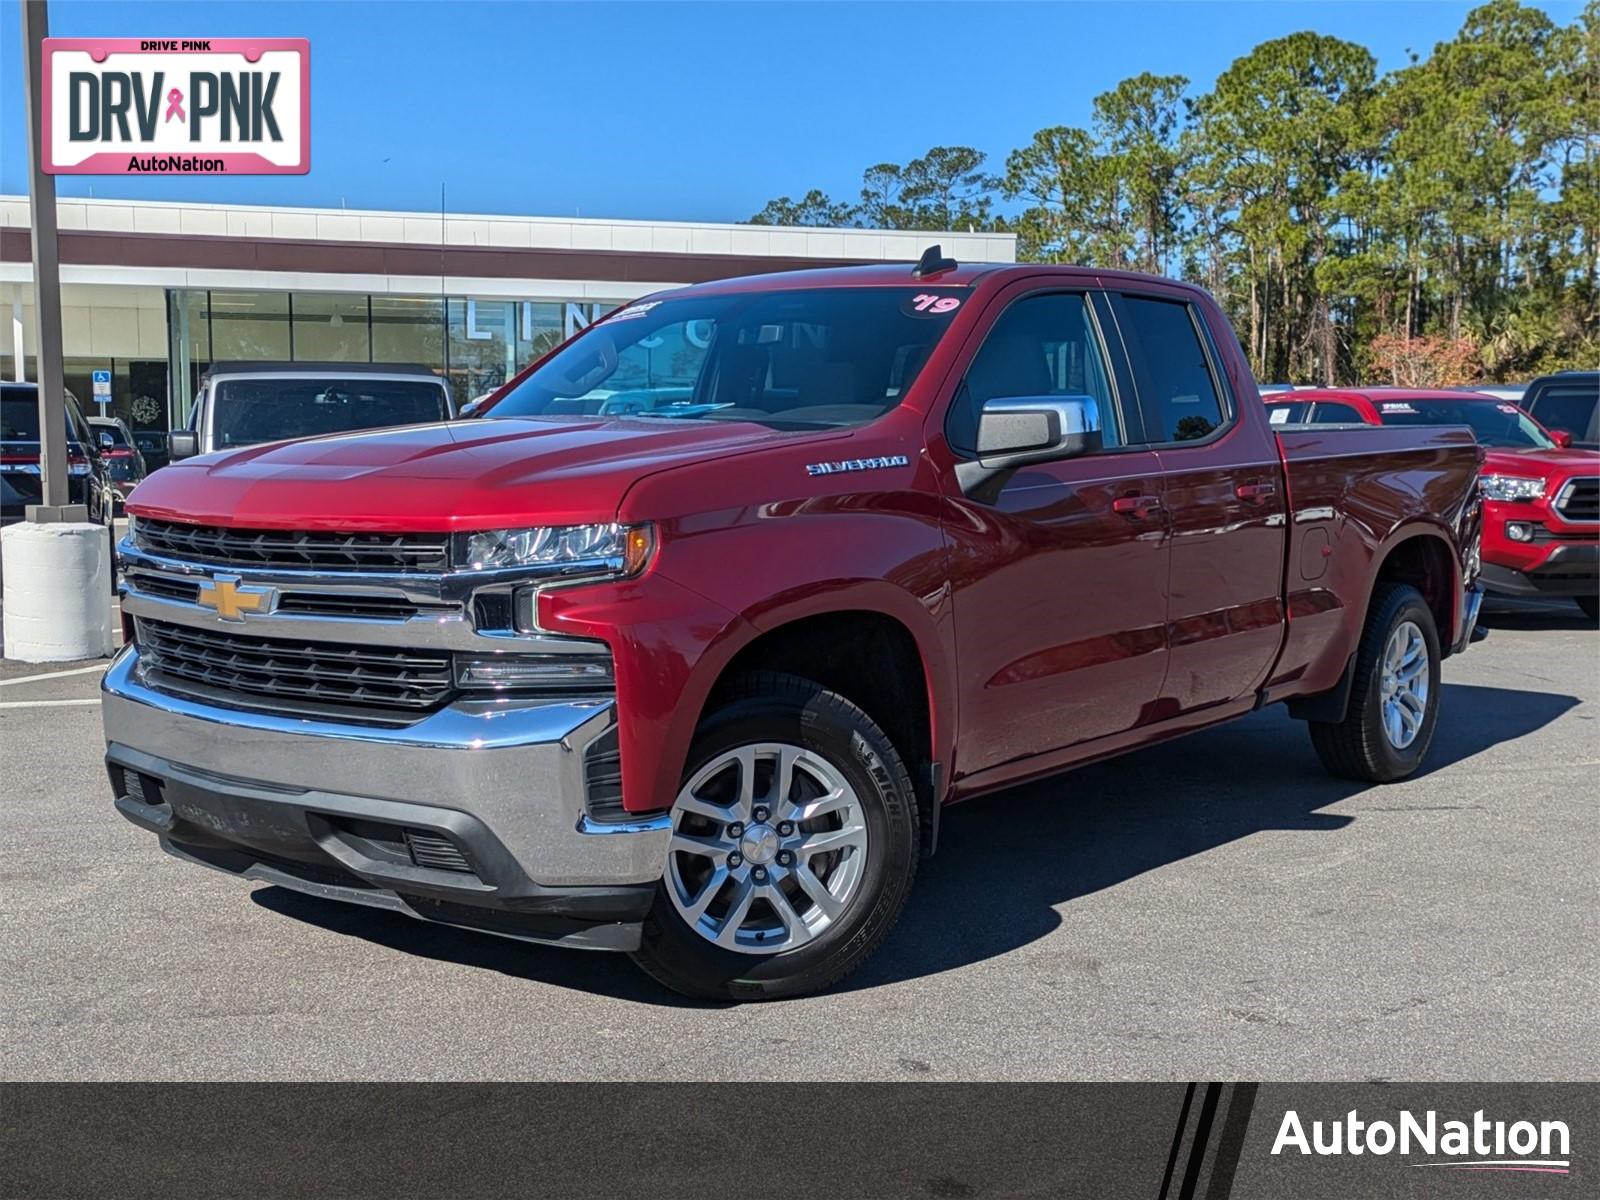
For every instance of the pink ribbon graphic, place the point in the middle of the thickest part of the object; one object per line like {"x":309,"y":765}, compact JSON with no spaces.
{"x":175,"y":106}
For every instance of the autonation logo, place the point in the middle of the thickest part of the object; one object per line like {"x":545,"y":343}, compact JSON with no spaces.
{"x":1478,"y":1145}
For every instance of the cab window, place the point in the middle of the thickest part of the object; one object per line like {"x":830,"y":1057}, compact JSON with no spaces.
{"x":1335,"y":414}
{"x":1178,"y":394}
{"x":1042,"y":345}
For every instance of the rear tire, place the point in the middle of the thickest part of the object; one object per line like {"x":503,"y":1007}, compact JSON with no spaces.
{"x":743,"y":871}
{"x":1590,"y":606}
{"x":1384,"y":736}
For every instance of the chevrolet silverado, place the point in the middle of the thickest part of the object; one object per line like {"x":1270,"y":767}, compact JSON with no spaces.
{"x":680,"y":645}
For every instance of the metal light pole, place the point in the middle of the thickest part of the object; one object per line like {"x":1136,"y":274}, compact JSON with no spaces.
{"x":46,"y":289}
{"x":57,"y":567}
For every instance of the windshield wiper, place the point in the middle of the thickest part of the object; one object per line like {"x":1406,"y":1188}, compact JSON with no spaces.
{"x":677,"y":410}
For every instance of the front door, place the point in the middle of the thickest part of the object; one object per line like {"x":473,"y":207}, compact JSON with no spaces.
{"x":1059,"y":584}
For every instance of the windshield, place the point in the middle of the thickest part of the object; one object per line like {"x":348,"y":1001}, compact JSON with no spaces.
{"x":792,"y":360}
{"x":1494,"y":422}
{"x":111,"y":429}
{"x":19,"y":416}
{"x":250,"y":411}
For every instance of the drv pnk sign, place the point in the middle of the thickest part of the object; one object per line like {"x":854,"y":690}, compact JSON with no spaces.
{"x":169,"y":106}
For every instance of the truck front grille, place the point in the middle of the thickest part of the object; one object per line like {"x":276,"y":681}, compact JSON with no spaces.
{"x":1580,"y":500}
{"x":353,"y":606}
{"x":293,"y":549}
{"x":372,"y":684}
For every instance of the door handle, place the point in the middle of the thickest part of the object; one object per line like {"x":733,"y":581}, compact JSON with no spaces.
{"x":1136,"y":506}
{"x":1255,"y":493}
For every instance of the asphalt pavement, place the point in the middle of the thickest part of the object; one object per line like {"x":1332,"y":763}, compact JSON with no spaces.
{"x":1214,"y":907}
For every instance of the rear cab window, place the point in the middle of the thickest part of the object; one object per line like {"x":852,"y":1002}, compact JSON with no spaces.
{"x":1330,"y":413}
{"x":1179,"y":394}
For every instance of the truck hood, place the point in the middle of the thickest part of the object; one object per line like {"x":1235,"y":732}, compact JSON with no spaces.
{"x":1553,"y":463}
{"x":478,"y":474}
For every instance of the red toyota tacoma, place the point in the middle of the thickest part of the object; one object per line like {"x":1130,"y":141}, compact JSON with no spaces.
{"x":1541,"y":520}
{"x":680,"y":645}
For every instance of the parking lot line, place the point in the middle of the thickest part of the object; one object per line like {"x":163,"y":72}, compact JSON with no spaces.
{"x":52,"y":675}
{"x":46,"y":703}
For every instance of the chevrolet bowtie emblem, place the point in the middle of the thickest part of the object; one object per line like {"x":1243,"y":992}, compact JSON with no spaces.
{"x":231,"y":600}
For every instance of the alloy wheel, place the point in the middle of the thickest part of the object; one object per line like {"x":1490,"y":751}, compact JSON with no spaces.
{"x":769,"y":844}
{"x":1404,"y":684}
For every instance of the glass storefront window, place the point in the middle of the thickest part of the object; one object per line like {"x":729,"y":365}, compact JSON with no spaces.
{"x":250,"y":326}
{"x":188,"y":347}
{"x":330,"y":328}
{"x":477,"y":343}
{"x":483,"y":346}
{"x":408,"y":329}
{"x":539,"y":330}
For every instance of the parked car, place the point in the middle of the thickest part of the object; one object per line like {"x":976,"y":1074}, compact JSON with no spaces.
{"x":247,"y":404}
{"x":89,"y":480}
{"x":123,"y":459}
{"x":1569,"y":401}
{"x":689,"y":669}
{"x":1541,"y":527}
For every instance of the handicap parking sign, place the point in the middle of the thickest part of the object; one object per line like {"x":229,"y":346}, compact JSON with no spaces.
{"x":102,"y":387}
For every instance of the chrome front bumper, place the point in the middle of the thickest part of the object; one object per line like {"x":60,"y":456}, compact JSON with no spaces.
{"x":515,"y":772}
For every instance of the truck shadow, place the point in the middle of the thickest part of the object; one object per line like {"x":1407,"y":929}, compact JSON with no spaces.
{"x":1008,"y":862}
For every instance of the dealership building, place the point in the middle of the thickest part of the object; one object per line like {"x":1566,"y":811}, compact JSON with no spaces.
{"x":156,"y":291}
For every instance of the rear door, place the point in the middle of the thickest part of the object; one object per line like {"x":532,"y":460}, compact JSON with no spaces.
{"x":1224,"y":500}
{"x":1059,"y":582}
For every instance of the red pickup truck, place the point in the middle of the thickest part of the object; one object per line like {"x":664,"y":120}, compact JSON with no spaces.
{"x":681,"y":644}
{"x":1541,"y":521}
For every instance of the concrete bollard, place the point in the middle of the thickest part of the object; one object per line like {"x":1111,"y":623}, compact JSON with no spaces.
{"x":57,"y":591}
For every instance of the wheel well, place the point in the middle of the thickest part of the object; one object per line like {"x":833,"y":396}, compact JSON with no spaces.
{"x":868,"y":658}
{"x":1426,"y":564}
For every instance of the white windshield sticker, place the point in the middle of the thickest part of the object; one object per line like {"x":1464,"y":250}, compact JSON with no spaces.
{"x":1279,"y":416}
{"x":1508,"y":408}
{"x":637,"y":310}
{"x":1397,"y":408}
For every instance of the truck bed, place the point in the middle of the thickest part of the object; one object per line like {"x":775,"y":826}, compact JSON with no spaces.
{"x":1350,"y":490}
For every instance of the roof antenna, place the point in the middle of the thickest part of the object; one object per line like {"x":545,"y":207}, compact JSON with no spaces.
{"x":933,"y":262}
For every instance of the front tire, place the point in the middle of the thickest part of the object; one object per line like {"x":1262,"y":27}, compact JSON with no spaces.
{"x":794,"y":846}
{"x":1394,"y":697}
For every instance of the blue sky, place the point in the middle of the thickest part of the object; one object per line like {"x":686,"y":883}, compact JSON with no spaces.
{"x":683,"y":111}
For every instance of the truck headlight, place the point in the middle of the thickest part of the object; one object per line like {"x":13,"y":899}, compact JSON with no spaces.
{"x":559,"y":549}
{"x":1510,"y":487}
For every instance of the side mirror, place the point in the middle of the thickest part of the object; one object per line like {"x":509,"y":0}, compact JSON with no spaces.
{"x":1561,"y":438}
{"x":107,"y":442}
{"x":470,"y":408}
{"x":182,"y":443}
{"x":1016,"y":431}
